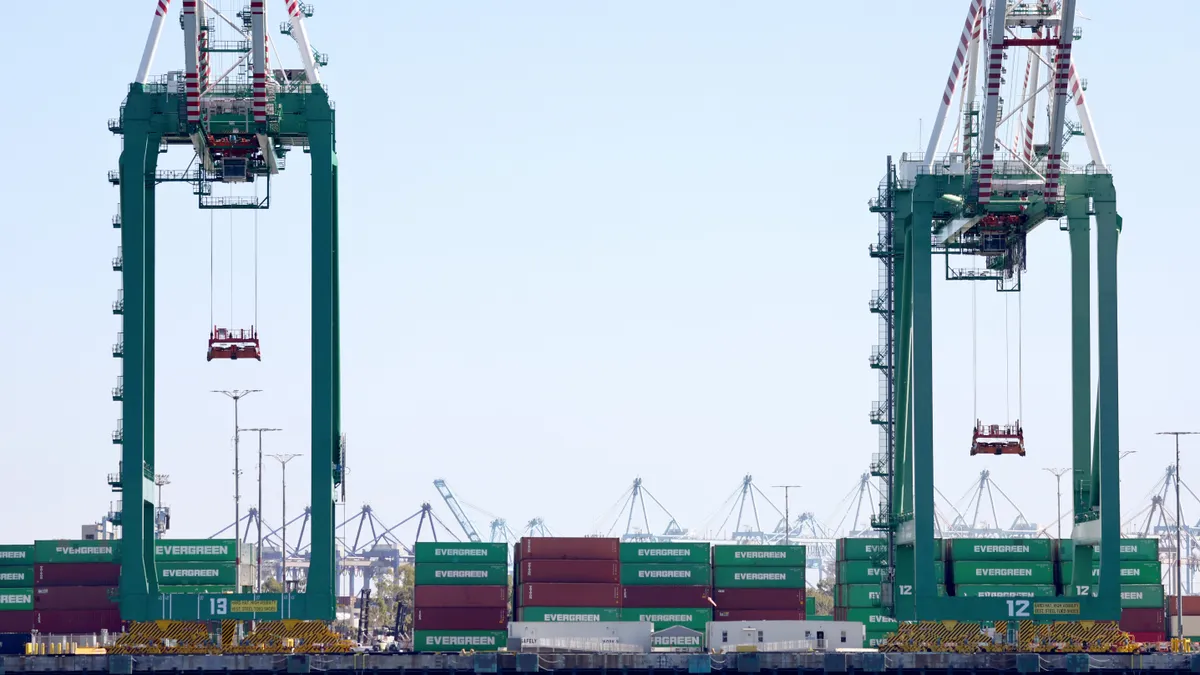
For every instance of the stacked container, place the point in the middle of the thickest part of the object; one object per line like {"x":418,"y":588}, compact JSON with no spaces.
{"x":200,"y":566}
{"x":460,"y":597}
{"x":666,"y":584}
{"x":758,"y":583}
{"x":857,"y":595}
{"x":1142,"y":594}
{"x":75,"y":586}
{"x":1002,"y":568}
{"x":567,"y":579}
{"x":16,"y":589}
{"x":1190,"y":623}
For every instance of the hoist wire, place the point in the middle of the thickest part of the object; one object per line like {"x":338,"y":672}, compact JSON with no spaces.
{"x":211,"y":278}
{"x":231,"y":261}
{"x":1007,"y":367}
{"x":974,"y":360}
{"x":256,"y":259}
{"x":1020,"y":359}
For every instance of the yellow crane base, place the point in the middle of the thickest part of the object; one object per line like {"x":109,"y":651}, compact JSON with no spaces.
{"x":1062,"y":637}
{"x":222,"y":637}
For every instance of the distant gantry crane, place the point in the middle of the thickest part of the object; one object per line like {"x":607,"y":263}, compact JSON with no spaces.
{"x":982,"y":200}
{"x":463,"y":521}
{"x":631,"y":503}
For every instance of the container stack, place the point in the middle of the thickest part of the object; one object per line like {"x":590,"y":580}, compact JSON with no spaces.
{"x":859,"y":562}
{"x":1190,"y":623}
{"x":16,"y":589}
{"x":1002,"y":568}
{"x":758,"y":583}
{"x":1141,"y":587}
{"x":201,"y":566}
{"x":667,"y":584}
{"x":75,"y":586}
{"x":567,"y":579}
{"x":460,"y":597}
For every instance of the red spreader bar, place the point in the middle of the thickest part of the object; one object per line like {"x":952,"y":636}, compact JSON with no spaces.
{"x":996,"y":439}
{"x":224,"y":343}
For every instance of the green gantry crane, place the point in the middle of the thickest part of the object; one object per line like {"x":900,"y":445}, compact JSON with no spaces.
{"x":240,"y":131}
{"x":981,"y":202}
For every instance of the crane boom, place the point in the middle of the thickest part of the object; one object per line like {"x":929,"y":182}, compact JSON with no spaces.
{"x":459,"y":514}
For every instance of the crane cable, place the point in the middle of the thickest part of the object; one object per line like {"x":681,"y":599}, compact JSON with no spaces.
{"x":211,"y":282}
{"x":974,"y":361}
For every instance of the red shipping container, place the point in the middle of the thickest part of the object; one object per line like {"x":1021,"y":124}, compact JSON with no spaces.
{"x":758,"y":615}
{"x":570,"y":595}
{"x":70,"y":622}
{"x":1191,"y":605}
{"x":570,"y":571}
{"x":1148,"y":637}
{"x":75,"y":597}
{"x":1143,"y":620}
{"x":77,"y":574}
{"x":665,"y":596}
{"x":16,"y":622}
{"x":759,"y":598}
{"x":460,"y":596}
{"x":570,"y":548}
{"x":460,"y":618}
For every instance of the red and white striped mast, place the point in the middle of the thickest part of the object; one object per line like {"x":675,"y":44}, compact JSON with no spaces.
{"x":300,"y":33}
{"x":160,"y":15}
{"x":1058,"y":106}
{"x":960,"y":57}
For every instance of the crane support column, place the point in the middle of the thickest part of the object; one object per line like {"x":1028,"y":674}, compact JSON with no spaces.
{"x":1108,"y":227}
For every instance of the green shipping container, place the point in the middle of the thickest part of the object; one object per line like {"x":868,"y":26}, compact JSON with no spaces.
{"x":810,"y":605}
{"x":1006,"y":550}
{"x":1004,"y":591}
{"x":757,"y":577}
{"x":689,"y":552}
{"x":695,"y":619}
{"x":197,"y":574}
{"x":458,"y":640}
{"x":569,"y":614}
{"x":875,"y":640}
{"x":469,"y":552}
{"x":759,"y":556}
{"x":198,"y":590}
{"x":679,"y":574}
{"x":457,"y":574}
{"x":872,"y":619}
{"x":861,"y":548}
{"x":867,"y":572}
{"x":1132,"y":572}
{"x":1133,"y":596}
{"x":16,"y":577}
{"x":196,"y":550}
{"x":76,"y":551}
{"x":857,"y":595}
{"x":819,"y":618}
{"x":16,"y":554}
{"x":12,"y":600}
{"x":1008,"y":573}
{"x":1142,"y":550}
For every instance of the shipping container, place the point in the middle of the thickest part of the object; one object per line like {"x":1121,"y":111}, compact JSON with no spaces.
{"x":861,"y":548}
{"x":665,"y":596}
{"x":77,"y":622}
{"x":589,"y":636}
{"x":570,"y":548}
{"x":77,"y":551}
{"x":460,"y":618}
{"x":857,"y":595}
{"x":1142,"y":550}
{"x":694,"y":618}
{"x":1191,"y":625}
{"x":569,"y":595}
{"x":875,"y":640}
{"x":1132,"y":595}
{"x":725,"y":555}
{"x":759,"y":598}
{"x":758,"y":615}
{"x":16,"y":576}
{"x":75,"y":597}
{"x":16,"y":599}
{"x":458,"y":640}
{"x":1146,"y":620}
{"x":569,"y":571}
{"x":569,"y":614}
{"x":197,"y":573}
{"x":1148,"y":638}
{"x":1132,"y":572}
{"x":13,"y":644}
{"x":867,"y":572}
{"x":1004,"y":591}
{"x":678,"y":574}
{"x":197,"y":590}
{"x":460,"y":574}
{"x":460,"y":596}
{"x":975,"y":572}
{"x":465,"y":552}
{"x":76,"y":574}
{"x":16,"y":621}
{"x":675,"y":552}
{"x":1191,"y":604}
{"x":758,"y":577}
{"x":873,"y":620}
{"x":1001,"y":550}
{"x":196,"y":550}
{"x":16,"y":554}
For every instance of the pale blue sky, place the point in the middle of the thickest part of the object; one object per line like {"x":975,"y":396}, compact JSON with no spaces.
{"x":581,"y":242}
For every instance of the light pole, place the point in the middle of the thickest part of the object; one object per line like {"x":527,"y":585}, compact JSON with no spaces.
{"x":1058,"y":474}
{"x":236,"y":395}
{"x":1178,"y":531}
{"x":283,"y":462}
{"x":258,"y":555}
{"x":787,"y":519}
